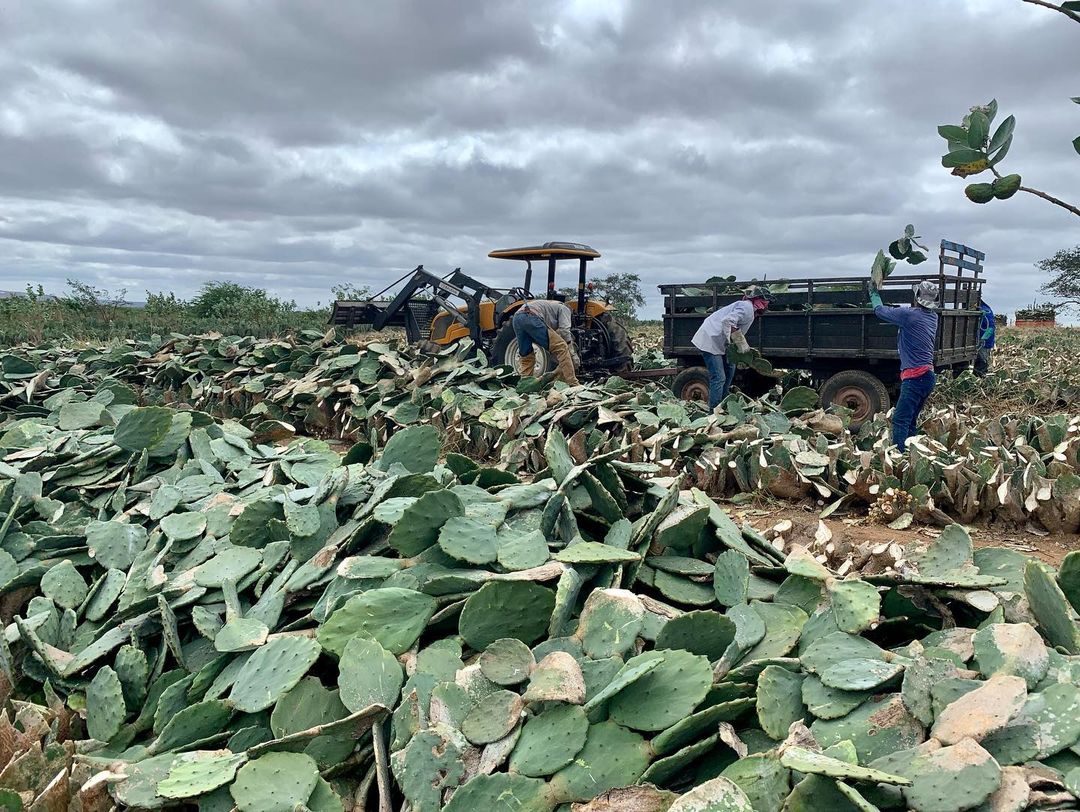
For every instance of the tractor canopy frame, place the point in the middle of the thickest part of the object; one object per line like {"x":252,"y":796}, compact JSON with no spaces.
{"x":553,"y":252}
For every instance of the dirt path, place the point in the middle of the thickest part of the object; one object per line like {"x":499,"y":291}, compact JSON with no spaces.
{"x":1050,"y":548}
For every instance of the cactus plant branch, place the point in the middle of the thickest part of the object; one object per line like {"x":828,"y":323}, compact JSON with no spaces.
{"x":1072,"y":15}
{"x":382,"y":767}
{"x":1052,"y":199}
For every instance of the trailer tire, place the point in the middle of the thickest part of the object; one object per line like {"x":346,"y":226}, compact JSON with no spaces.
{"x":505,"y":352}
{"x":860,"y":391}
{"x":692,"y":383}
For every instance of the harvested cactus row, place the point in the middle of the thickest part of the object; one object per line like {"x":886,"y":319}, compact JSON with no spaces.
{"x":210,"y":619}
{"x":1008,"y":468}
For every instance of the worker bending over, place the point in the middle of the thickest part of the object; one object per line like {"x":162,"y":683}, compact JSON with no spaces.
{"x":545,"y":323}
{"x":916,"y":340}
{"x":728,"y":325}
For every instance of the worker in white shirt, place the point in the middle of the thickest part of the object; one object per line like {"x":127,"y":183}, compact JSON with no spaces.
{"x":728,"y":325}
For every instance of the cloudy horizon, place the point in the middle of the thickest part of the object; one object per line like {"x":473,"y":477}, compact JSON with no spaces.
{"x":156,"y":146}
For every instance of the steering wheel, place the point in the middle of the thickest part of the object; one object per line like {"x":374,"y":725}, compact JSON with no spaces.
{"x":520,"y":293}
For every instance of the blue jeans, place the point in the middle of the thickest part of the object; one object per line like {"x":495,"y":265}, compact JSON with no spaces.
{"x":913,"y":396}
{"x":720,"y":375}
{"x":529,"y":329}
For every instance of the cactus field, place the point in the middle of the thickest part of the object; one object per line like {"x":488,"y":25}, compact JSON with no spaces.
{"x":313,"y":574}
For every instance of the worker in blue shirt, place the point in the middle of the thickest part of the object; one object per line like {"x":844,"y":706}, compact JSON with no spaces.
{"x":987,"y":339}
{"x":916,"y":341}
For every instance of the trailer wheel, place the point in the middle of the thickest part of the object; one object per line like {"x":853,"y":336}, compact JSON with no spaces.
{"x":692,"y":383}
{"x":505,"y":351}
{"x":859,"y":391}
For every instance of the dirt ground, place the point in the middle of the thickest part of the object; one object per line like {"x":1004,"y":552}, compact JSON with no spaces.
{"x":1049,"y":548}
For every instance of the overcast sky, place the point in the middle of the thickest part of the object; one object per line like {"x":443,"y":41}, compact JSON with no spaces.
{"x":156,"y":145}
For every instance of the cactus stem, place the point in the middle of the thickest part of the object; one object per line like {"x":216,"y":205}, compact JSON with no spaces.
{"x":382,"y":772}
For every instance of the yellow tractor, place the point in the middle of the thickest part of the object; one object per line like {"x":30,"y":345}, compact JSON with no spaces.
{"x":437,"y":311}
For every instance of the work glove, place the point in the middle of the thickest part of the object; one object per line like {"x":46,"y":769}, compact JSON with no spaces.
{"x":986,"y":334}
{"x":875,"y":299}
{"x":739,"y":340}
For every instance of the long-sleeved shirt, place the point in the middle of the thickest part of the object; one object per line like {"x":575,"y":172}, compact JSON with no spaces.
{"x":715,"y":332}
{"x":987,"y":323}
{"x":554,"y":314}
{"x":917,"y":336}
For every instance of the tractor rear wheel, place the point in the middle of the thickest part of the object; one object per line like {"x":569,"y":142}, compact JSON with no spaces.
{"x":505,"y":351}
{"x":619,"y":341}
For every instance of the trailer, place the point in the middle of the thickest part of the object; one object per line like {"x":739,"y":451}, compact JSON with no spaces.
{"x":823,"y":326}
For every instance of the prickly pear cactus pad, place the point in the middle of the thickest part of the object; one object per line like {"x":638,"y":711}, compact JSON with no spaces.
{"x":222,"y":614}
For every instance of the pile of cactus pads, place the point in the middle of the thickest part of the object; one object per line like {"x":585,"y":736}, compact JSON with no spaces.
{"x":197,"y":616}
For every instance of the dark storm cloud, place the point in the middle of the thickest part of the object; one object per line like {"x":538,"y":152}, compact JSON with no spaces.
{"x":295,"y":145}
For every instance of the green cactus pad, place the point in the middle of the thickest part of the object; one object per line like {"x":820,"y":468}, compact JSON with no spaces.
{"x":420,"y":523}
{"x":241,"y":634}
{"x":442,"y":659}
{"x":192,"y":724}
{"x":1012,"y":648}
{"x":429,"y":764}
{"x":200,"y":772}
{"x":307,"y":705}
{"x":416,"y":448}
{"x":143,"y":428}
{"x":830,"y":703}
{"x":557,"y":678}
{"x":324,"y":798}
{"x":522,"y":551}
{"x":139,"y":788}
{"x":610,"y":623}
{"x":731,"y":578}
{"x":469,"y":540}
{"x":763,"y":779}
{"x":630,"y":673}
{"x":612,"y":757}
{"x":749,"y":626}
{"x":276,"y":782}
{"x":1056,"y":712}
{"x":501,"y":793}
{"x":878,"y":727}
{"x":860,"y":674}
{"x":105,"y":708}
{"x":662,"y":771}
{"x":855,"y":605}
{"x":302,"y":520}
{"x":800,"y":562}
{"x":958,"y":777}
{"x":693,"y":727}
{"x":783,"y":625}
{"x":1016,"y":743}
{"x":133,"y":671}
{"x":802,"y":760}
{"x":595,"y":552}
{"x":549,"y":741}
{"x":64,"y":585}
{"x":507,"y":662}
{"x":920,"y":677}
{"x":368,"y":674}
{"x":493,"y":718}
{"x":701,"y":632}
{"x":395,"y":617}
{"x":501,"y":609}
{"x":1050,"y":607}
{"x":799,"y":591}
{"x":837,"y":647}
{"x":983,"y":711}
{"x":183,"y":526}
{"x":231,"y":564}
{"x":114,"y":544}
{"x":718,"y":795}
{"x":272,"y":671}
{"x":253,"y":527}
{"x":1068,"y":578}
{"x":779,"y":701}
{"x":664,"y":695}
